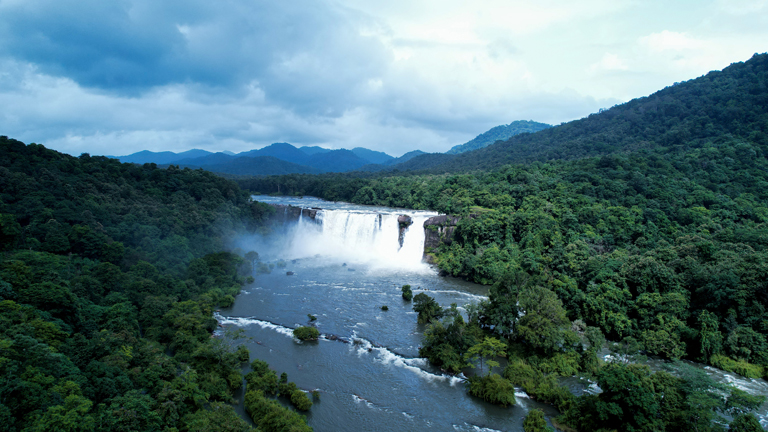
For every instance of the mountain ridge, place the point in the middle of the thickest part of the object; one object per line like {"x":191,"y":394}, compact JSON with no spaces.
{"x":499,"y":133}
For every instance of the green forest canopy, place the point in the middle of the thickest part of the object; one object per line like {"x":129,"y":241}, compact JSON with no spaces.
{"x":109,"y":276}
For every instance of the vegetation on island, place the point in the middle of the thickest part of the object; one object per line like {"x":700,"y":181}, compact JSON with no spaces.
{"x":306,"y":333}
{"x":109,"y":277}
{"x":406,"y":292}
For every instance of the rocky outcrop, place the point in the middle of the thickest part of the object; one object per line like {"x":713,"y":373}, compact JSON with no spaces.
{"x":289,"y":213}
{"x":403,"y":222}
{"x":438,"y":230}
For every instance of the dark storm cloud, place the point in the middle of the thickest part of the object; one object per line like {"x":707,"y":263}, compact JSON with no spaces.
{"x":301,"y":53}
{"x":118,"y":76}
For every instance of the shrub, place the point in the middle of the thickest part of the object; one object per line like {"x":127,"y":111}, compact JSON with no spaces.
{"x":242,"y":354}
{"x":407,"y":293}
{"x":519,"y":372}
{"x":266,"y":383}
{"x":534,"y":422}
{"x":563,"y":364}
{"x":300,"y":400}
{"x":427,"y":308}
{"x":385,"y":308}
{"x":492,"y":388}
{"x":737,"y":366}
{"x":306,"y":333}
{"x":270,"y":416}
{"x":260,"y":367}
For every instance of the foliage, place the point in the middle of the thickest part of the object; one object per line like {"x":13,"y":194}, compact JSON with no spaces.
{"x":487,"y":350}
{"x":109,"y":276}
{"x":447,"y":339}
{"x":534,"y":422}
{"x":499,"y":133}
{"x":306,"y":333}
{"x":492,"y":388}
{"x":745,"y":423}
{"x":270,"y":416}
{"x":427,"y":308}
{"x":407,"y":293}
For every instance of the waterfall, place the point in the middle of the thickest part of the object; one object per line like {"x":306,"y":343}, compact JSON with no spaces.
{"x":360,"y":237}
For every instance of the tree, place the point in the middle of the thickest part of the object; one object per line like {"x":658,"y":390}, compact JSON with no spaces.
{"x":252,"y":257}
{"x":544,"y":325}
{"x":407,"y":293}
{"x":10,"y":230}
{"x":427,"y":308}
{"x":487,"y":350}
{"x":492,"y":388}
{"x":711,"y":338}
{"x":218,"y":417}
{"x":306,"y":333}
{"x":534,"y":422}
{"x":628,"y":401}
{"x":745,"y":423}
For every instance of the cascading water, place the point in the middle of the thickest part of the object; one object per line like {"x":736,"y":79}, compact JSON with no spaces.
{"x":369,"y":237}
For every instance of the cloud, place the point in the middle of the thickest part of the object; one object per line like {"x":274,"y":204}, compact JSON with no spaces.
{"x":742,"y":7}
{"x":125,"y":75}
{"x":609,"y":62}
{"x":671,"y":41}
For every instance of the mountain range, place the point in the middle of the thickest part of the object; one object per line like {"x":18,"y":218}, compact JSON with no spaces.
{"x":284,"y":158}
{"x":277,"y":158}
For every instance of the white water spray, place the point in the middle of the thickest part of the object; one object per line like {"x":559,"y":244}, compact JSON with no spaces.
{"x":358,"y":237}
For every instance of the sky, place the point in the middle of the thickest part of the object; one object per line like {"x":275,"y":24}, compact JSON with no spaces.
{"x":113,"y":77}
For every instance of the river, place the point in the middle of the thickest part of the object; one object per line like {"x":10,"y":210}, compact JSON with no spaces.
{"x":345,"y":264}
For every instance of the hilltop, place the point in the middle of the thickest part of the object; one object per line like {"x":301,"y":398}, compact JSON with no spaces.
{"x":499,"y":133}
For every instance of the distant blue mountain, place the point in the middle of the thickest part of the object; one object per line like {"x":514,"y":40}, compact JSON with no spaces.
{"x":253,"y":166}
{"x":161,"y":158}
{"x":285,"y":157}
{"x":373,"y":156}
{"x":209,"y":159}
{"x":313,"y":150}
{"x":282,"y":151}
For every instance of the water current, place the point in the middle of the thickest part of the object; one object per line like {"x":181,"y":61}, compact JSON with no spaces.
{"x":345,"y":264}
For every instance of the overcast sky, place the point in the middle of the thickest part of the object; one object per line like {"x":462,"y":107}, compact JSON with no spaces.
{"x":118,"y":76}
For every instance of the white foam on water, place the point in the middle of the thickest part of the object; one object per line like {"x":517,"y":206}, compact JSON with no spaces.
{"x":387,"y":357}
{"x":361,"y":237}
{"x":475,"y":297}
{"x":359,"y":400}
{"x":475,"y":428}
{"x":243,"y":322}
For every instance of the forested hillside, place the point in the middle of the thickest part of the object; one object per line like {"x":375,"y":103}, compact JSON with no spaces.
{"x":686,"y":115}
{"x":648,"y":225}
{"x":499,"y":133}
{"x":109,"y":276}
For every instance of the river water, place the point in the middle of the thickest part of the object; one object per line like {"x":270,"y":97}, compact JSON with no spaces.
{"x":345,"y":264}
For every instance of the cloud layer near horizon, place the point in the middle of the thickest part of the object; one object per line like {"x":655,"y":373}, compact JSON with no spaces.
{"x":122,"y":76}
